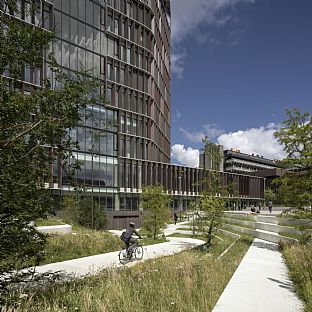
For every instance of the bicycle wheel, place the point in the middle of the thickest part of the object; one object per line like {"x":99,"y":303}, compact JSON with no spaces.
{"x":123,"y":257}
{"x":138,"y":252}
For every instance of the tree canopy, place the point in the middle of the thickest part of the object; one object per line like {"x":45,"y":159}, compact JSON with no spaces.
{"x":295,"y":187}
{"x":155,"y":204}
{"x":33,"y":135}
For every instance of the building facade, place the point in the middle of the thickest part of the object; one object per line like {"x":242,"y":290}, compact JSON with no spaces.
{"x":126,"y":45}
{"x":237,"y":162}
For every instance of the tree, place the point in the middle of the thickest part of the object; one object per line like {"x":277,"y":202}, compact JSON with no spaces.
{"x":211,"y":205}
{"x":212,"y":200}
{"x":69,"y":212}
{"x":269,"y":195}
{"x":91,"y":214}
{"x":155,"y":203}
{"x":295,"y":187}
{"x":33,"y":135}
{"x":84,"y":212}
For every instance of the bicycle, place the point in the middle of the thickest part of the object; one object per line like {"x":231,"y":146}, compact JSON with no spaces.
{"x":135,"y":252}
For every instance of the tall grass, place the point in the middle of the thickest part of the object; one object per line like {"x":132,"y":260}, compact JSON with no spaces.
{"x":298,"y":258}
{"x":187,"y":282}
{"x":84,"y":243}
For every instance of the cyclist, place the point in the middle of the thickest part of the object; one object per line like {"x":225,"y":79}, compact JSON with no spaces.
{"x":127,"y":238}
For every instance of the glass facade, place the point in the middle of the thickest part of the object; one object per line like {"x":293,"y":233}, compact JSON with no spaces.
{"x":124,"y":144}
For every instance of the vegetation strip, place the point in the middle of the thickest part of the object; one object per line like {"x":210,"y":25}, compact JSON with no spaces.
{"x":189,"y":281}
{"x":298,"y":258}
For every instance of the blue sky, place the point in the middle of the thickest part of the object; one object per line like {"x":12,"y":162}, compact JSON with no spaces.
{"x":237,"y":64}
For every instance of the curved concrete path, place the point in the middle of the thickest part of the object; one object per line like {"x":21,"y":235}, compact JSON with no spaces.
{"x":260,"y":283}
{"x":93,"y":264}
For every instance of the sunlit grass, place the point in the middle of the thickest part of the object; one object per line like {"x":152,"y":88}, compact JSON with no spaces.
{"x":82,"y":244}
{"x":298,"y":258}
{"x":189,"y":281}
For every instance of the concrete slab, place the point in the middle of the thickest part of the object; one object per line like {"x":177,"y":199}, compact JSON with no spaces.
{"x":260,"y":283}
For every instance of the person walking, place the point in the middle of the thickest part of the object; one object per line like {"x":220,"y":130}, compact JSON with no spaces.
{"x":175,"y":218}
{"x":270,"y":206}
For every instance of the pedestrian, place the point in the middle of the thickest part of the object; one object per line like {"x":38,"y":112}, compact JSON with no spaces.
{"x":270,"y":206}
{"x":175,"y":218}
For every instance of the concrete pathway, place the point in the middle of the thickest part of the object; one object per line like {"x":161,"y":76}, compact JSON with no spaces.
{"x":260,"y":283}
{"x":93,"y":264}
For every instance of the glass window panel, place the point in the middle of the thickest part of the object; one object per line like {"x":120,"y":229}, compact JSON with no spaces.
{"x":74,"y":8}
{"x":65,"y":26}
{"x":65,"y":54}
{"x":89,"y":38}
{"x":73,"y":31}
{"x":89,"y":61}
{"x":96,"y":65}
{"x":110,"y":47}
{"x":81,"y":58}
{"x":82,"y":34}
{"x":89,"y":12}
{"x":110,"y":143}
{"x":58,"y":22}
{"x":97,"y":16}
{"x":97,"y":41}
{"x":82,"y":9}
{"x":73,"y":57}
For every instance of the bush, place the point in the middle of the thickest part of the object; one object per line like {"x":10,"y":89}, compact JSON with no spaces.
{"x":85,"y":212}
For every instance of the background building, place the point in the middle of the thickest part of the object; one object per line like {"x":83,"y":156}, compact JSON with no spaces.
{"x":126,"y":45}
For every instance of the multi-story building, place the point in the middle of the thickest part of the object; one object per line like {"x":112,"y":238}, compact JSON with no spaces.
{"x":237,"y":162}
{"x":126,"y":45}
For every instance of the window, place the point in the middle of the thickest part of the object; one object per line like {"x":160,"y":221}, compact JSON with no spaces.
{"x":109,"y":94}
{"x":109,"y":22}
{"x":116,"y":48}
{"x":122,"y":75}
{"x":109,"y":71}
{"x":128,"y":55}
{"x":116,"y":73}
{"x":116,"y":28}
{"x":122,"y":123}
{"x":128,"y":125}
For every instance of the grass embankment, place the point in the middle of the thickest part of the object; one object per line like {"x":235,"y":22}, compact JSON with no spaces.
{"x":298,"y":258}
{"x":81,"y":243}
{"x":189,"y":281}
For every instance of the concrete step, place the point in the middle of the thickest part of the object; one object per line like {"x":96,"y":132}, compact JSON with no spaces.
{"x":267,"y":227}
{"x":259,"y":233}
{"x":267,"y":219}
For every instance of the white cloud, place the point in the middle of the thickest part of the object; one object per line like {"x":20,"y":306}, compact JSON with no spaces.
{"x":186,"y":156}
{"x":259,"y":141}
{"x":188,"y":15}
{"x":178,"y":114}
{"x":209,"y":130}
{"x":177,"y":62}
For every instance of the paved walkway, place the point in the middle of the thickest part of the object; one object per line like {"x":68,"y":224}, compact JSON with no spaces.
{"x":93,"y":264}
{"x":260,"y":284}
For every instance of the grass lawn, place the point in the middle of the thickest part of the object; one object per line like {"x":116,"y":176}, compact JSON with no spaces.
{"x":298,"y":258}
{"x":188,"y":281}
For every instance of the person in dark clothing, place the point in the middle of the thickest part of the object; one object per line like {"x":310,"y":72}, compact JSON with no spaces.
{"x":270,"y":206}
{"x":175,"y":218}
{"x":127,"y":238}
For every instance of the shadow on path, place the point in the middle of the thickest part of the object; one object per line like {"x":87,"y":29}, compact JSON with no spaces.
{"x":287,"y":285}
{"x":265,"y":245}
